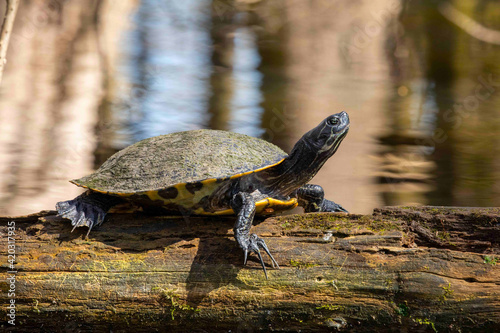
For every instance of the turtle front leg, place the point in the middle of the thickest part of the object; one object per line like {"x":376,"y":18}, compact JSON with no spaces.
{"x":311,"y":197}
{"x":243,"y":205}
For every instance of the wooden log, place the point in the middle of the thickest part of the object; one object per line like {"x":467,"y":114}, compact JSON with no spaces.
{"x":403,"y":268}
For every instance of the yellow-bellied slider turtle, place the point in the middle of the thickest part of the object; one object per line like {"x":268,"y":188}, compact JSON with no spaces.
{"x":209,"y":172}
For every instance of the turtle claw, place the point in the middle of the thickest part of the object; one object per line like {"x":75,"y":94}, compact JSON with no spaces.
{"x":339,"y":208}
{"x":262,"y":263}
{"x":261,"y":244}
{"x":255,"y":243}
{"x":246,"y":257}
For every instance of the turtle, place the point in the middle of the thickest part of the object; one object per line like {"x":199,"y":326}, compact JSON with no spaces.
{"x":212,"y":172}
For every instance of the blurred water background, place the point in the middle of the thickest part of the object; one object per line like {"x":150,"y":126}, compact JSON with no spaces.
{"x":419,"y":79}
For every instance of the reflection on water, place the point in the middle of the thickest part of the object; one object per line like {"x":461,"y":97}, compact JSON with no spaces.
{"x":169,"y":54}
{"x":246,"y":110}
{"x":444,"y":138}
{"x":421,"y":92}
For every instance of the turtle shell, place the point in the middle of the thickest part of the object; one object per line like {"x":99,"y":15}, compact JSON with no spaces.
{"x":183,"y":157}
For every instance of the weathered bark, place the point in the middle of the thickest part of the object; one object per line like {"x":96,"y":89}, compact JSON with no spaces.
{"x":426,"y":268}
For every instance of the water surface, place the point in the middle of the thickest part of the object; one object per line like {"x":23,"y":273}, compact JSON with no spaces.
{"x":422,"y":94}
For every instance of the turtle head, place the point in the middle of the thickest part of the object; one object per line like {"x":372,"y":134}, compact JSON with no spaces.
{"x":327,"y":136}
{"x":309,"y":154}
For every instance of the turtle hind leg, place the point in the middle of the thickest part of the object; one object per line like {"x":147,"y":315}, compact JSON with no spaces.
{"x":88,"y":209}
{"x":311,"y":197}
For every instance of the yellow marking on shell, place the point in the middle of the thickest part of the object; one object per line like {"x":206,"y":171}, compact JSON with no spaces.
{"x":187,"y":199}
{"x":184,"y":197}
{"x":200,"y":211}
{"x":275,"y":205}
{"x":260,"y":207}
{"x":153,"y":195}
{"x":257,"y":170}
{"x":121,"y":194}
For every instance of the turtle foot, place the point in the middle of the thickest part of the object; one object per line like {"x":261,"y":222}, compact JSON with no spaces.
{"x":254,"y":244}
{"x":330,"y":206}
{"x":81,"y":212}
{"x":311,"y":197}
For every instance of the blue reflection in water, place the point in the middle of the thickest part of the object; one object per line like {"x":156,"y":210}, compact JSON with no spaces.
{"x":245,"y":106}
{"x":169,"y":68}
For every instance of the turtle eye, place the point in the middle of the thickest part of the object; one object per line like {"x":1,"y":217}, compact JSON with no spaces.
{"x":333,"y":121}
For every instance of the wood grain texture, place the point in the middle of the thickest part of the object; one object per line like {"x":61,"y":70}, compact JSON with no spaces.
{"x":420,"y":269}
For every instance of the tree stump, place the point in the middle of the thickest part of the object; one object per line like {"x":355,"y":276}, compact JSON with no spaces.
{"x":431,"y":269}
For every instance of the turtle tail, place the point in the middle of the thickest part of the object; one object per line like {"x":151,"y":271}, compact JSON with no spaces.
{"x":88,"y":209}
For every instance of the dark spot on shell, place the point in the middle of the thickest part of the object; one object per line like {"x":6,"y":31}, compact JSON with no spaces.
{"x":193,"y":187}
{"x":144,"y":201}
{"x":139,"y":197}
{"x":168,"y":193}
